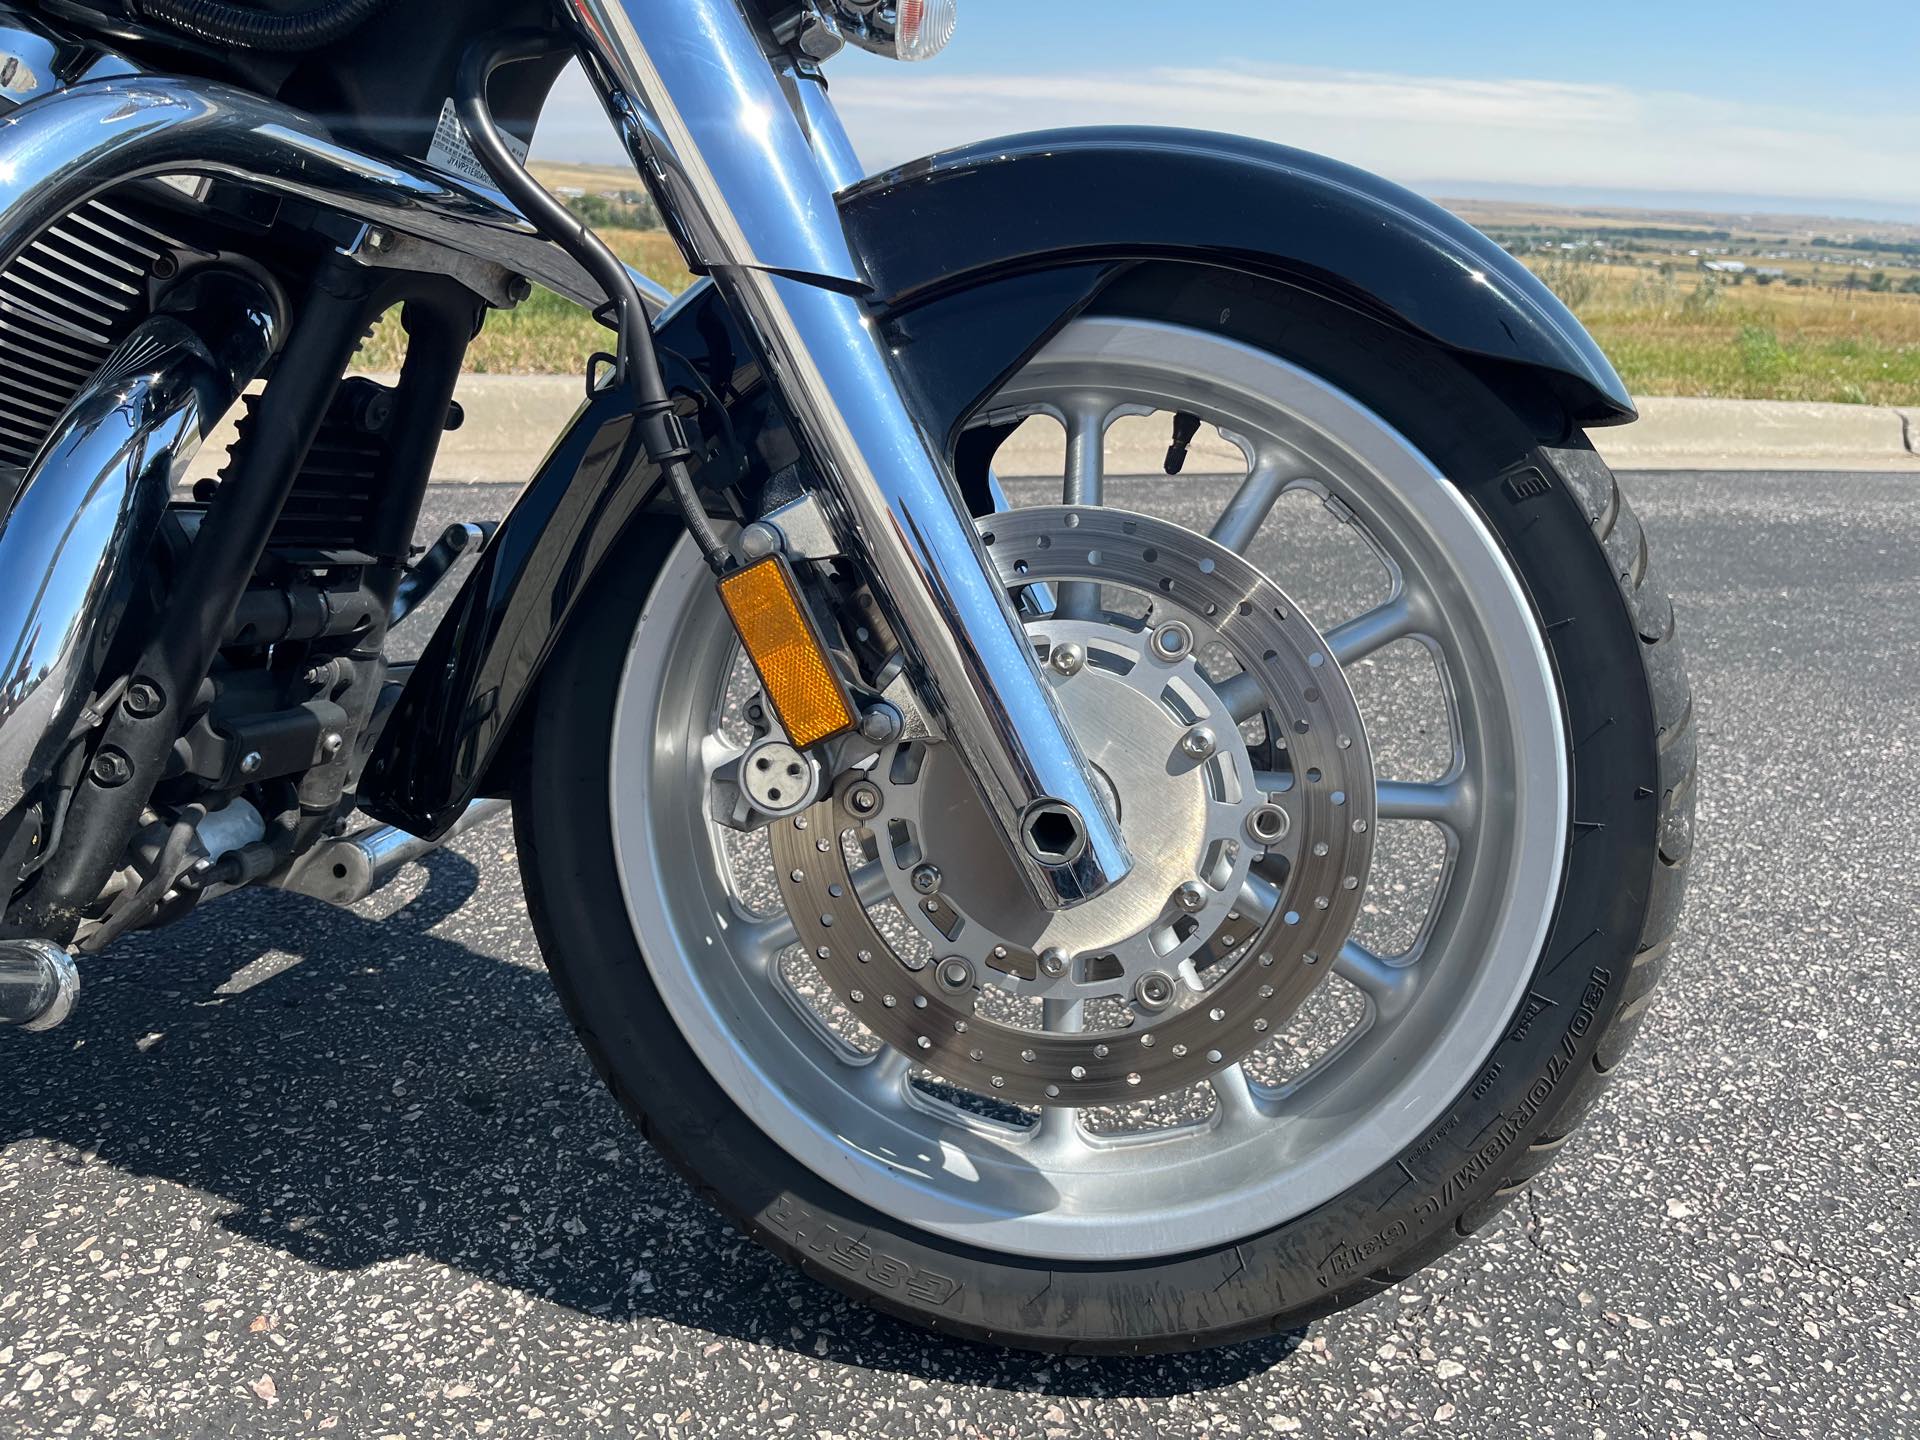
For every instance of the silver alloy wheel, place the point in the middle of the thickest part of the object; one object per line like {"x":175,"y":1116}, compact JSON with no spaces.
{"x":1264,"y":1154}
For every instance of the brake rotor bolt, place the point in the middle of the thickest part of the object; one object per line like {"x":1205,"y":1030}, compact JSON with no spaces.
{"x":1268,"y":825}
{"x":926,"y":879}
{"x":1154,"y":992}
{"x":1191,"y":897}
{"x":1172,"y":641}
{"x":864,"y":798}
{"x":1053,"y":963}
{"x":1068,"y":659}
{"x":1198,"y":743}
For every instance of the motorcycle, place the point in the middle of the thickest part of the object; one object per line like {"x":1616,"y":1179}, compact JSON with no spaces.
{"x":975,"y":887}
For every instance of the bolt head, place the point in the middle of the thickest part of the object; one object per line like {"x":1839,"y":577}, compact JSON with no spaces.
{"x":1198,"y":743}
{"x":330,"y":744}
{"x":1068,"y":659}
{"x":1172,"y":641}
{"x":1191,"y":897}
{"x":1053,"y":963}
{"x":1268,"y":825}
{"x":111,"y":768}
{"x":864,"y":798}
{"x":955,"y":974}
{"x":143,"y":699}
{"x":251,"y":762}
{"x":881,"y":723}
{"x":759,"y":540}
{"x":926,"y":879}
{"x":1154,"y":991}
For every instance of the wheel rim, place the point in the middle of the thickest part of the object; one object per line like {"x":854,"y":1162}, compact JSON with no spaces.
{"x":1262,"y":1153}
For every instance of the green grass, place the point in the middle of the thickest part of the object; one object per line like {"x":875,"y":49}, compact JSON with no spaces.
{"x":1669,"y":334}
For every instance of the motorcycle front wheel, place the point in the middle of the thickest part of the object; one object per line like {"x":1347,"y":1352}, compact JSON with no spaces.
{"x":1461,"y":618}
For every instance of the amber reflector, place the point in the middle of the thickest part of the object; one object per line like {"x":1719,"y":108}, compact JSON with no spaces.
{"x":781,"y":641}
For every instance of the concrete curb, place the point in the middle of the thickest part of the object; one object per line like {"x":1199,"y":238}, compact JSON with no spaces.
{"x":511,"y":420}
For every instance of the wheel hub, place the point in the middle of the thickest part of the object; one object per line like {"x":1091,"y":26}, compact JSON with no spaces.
{"x":1250,"y":859}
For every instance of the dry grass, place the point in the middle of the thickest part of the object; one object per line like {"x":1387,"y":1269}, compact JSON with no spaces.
{"x":1686,"y":335}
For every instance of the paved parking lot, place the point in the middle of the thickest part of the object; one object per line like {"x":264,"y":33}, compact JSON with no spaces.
{"x":294,"y":1171}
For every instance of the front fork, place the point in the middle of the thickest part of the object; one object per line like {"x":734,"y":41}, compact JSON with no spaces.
{"x":744,"y":160}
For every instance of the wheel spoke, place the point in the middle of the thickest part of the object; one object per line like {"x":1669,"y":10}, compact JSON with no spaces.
{"x":883,"y":1079}
{"x":1242,"y":696}
{"x":1447,"y":803}
{"x":1361,"y":636}
{"x":1247,"y":511}
{"x":1239,"y":1108}
{"x":1086,"y":484}
{"x":1058,"y":1134}
{"x":1390,"y":987}
{"x":1259,"y":899}
{"x":870,"y":885}
{"x":762,"y":940}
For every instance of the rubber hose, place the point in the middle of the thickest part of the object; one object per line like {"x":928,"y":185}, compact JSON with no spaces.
{"x":249,"y":29}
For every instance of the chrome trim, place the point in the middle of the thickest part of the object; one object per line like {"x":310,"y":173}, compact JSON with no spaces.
{"x":38,"y":984}
{"x":347,"y":870}
{"x":66,"y":147}
{"x":82,"y":525}
{"x":735,"y":171}
{"x":827,"y":135}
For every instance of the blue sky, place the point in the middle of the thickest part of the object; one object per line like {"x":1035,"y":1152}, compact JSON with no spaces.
{"x":1732,"y":107}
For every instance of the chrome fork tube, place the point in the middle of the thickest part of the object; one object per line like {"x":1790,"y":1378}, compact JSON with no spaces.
{"x":724,"y":147}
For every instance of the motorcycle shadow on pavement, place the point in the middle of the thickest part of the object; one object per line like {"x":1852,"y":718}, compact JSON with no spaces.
{"x":360,"y":1089}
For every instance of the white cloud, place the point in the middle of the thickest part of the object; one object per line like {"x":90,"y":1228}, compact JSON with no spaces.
{"x":1419,"y":128}
{"x":1413,"y":128}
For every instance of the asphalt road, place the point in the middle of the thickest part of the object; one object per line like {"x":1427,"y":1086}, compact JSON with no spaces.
{"x":296,"y":1171}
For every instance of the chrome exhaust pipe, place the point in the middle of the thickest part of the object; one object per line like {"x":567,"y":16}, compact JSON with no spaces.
{"x":71,"y":547}
{"x":347,"y":870}
{"x":38,"y":984}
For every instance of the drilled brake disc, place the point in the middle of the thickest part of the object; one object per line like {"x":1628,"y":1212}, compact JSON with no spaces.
{"x":1228,"y":742}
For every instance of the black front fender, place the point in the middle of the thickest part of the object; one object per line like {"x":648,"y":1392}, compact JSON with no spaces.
{"x":978,"y":257}
{"x":1034,"y":201}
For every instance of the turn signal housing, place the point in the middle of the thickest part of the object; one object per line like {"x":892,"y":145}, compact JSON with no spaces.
{"x":786,"y":649}
{"x":898,"y":29}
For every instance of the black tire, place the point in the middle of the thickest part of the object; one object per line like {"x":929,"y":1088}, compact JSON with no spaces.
{"x":1609,"y":624}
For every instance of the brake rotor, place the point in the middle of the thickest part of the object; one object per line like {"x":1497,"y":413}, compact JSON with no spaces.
{"x":1250,"y":857}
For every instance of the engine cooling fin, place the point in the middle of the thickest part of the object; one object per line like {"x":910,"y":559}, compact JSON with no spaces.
{"x":66,"y":301}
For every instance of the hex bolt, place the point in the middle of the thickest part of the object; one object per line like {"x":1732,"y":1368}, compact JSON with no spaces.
{"x":759,"y":540}
{"x":955,"y":974}
{"x":1191,"y":897}
{"x":1068,"y":659}
{"x":111,"y":768}
{"x":251,"y":762}
{"x":864,"y":798}
{"x":1172,"y":641}
{"x":926,"y":879}
{"x":1053,"y":963}
{"x":1198,"y":743}
{"x":881,"y":723}
{"x":144,"y":700}
{"x":1154,"y":991}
